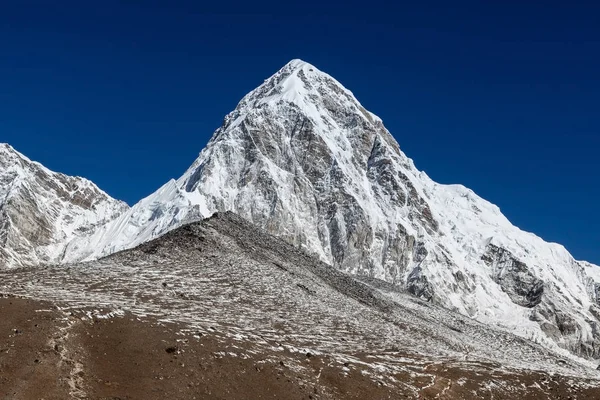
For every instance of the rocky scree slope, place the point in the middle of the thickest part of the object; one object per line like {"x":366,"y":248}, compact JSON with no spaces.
{"x":258,"y":296}
{"x":41,"y":211}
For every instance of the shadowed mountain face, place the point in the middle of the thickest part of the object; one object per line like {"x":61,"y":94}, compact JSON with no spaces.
{"x":41,"y":211}
{"x":301,"y":158}
{"x":222,"y":298}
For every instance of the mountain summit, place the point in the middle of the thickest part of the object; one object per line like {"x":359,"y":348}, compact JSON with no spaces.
{"x":301,"y":158}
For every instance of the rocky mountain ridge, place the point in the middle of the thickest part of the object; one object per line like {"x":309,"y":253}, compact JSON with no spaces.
{"x":41,"y":211}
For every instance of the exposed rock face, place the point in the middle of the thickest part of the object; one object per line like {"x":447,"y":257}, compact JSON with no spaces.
{"x":40,"y":210}
{"x":301,"y":158}
{"x":514,"y":277}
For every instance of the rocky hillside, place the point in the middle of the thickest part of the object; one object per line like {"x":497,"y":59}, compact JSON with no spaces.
{"x":221,"y":309}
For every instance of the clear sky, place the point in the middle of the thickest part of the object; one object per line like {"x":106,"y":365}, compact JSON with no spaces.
{"x":501,"y":96}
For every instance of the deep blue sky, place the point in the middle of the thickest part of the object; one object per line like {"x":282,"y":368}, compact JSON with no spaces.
{"x":501,"y":96}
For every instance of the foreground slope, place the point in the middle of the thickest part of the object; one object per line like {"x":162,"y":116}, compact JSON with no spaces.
{"x":221,"y":300}
{"x":301,"y":158}
{"x":41,"y":211}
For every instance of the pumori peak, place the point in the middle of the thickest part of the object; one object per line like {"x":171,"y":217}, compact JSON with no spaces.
{"x":301,"y":158}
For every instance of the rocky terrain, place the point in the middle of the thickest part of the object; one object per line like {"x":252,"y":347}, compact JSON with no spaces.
{"x":222,"y":310}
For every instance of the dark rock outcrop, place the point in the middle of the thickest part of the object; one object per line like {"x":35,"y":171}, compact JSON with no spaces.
{"x":514,"y":277}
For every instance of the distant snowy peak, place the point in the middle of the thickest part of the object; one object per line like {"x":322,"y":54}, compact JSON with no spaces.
{"x":41,"y":211}
{"x":301,"y":158}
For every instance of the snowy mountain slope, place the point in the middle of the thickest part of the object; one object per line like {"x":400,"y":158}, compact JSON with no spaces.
{"x":41,"y":211}
{"x":301,"y":158}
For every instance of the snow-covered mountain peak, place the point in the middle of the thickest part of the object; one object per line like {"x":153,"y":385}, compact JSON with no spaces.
{"x":5,"y":147}
{"x":304,"y":85}
{"x":301,"y":158}
{"x":14,"y":164}
{"x":9,"y":157}
{"x":41,"y":210}
{"x":296,"y":63}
